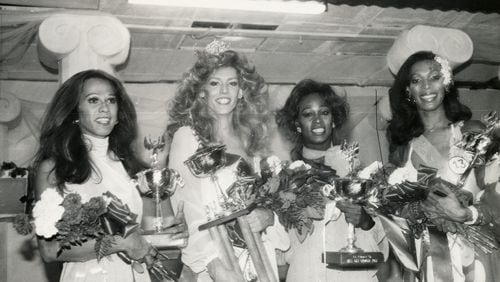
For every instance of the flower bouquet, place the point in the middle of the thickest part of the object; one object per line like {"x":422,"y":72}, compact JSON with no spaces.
{"x":71,"y":222}
{"x":294,"y":192}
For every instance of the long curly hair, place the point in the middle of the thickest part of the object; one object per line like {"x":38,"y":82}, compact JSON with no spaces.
{"x":61,"y":138}
{"x":287,"y":117}
{"x":251,"y":116}
{"x":406,"y":123}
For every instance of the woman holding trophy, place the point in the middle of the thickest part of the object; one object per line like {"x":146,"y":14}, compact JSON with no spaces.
{"x":311,"y":118}
{"x":86,"y":149}
{"x":427,"y":124}
{"x":221,"y":103}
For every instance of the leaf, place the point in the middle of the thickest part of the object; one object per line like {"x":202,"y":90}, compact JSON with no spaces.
{"x":313,"y":213}
{"x":103,"y":246}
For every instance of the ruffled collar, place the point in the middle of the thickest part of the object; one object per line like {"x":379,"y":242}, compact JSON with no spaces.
{"x":98,"y":146}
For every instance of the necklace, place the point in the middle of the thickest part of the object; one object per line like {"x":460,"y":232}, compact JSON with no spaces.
{"x":435,"y":128}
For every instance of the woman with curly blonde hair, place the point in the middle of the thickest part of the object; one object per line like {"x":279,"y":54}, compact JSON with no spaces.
{"x":250,"y":116}
{"x":222,"y":100}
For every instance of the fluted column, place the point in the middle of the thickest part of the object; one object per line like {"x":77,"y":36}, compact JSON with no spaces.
{"x":75,"y":42}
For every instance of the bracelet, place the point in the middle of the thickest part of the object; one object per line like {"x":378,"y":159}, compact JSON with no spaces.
{"x":475,"y":215}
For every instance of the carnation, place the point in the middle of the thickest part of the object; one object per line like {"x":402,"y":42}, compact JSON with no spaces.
{"x":400,"y":175}
{"x":369,"y":170}
{"x":274,"y":164}
{"x":47,"y":212}
{"x":299,"y":165}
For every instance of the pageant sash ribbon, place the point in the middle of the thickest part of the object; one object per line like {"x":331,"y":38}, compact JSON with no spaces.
{"x":437,"y":248}
{"x":118,"y":219}
{"x":397,"y":231}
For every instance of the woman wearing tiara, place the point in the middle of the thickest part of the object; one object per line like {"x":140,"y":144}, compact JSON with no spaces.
{"x":428,"y":120}
{"x":221,"y":99}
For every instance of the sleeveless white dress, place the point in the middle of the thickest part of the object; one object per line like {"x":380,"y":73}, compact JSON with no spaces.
{"x":111,"y":177}
{"x":196,"y":194}
{"x":461,"y":251}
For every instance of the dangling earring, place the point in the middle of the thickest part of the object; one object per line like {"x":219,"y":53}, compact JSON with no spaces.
{"x":409,"y":97}
{"x":76,"y":121}
{"x":240,"y":95}
{"x":299,"y":130}
{"x":333,"y":124}
{"x":202,"y":95}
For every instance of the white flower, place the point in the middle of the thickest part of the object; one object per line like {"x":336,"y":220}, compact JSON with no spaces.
{"x":400,"y":175}
{"x":157,"y":176}
{"x":47,"y":212}
{"x":366,"y":172}
{"x":299,"y":164}
{"x":274,"y":164}
{"x":445,"y":69}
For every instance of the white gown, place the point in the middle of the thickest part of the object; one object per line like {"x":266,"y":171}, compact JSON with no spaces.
{"x":115,"y":179}
{"x":196,"y":194}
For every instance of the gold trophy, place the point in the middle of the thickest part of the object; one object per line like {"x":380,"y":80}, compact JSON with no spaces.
{"x":358,"y":191}
{"x":158,"y":184}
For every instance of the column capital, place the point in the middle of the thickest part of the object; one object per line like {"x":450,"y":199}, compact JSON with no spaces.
{"x":75,"y":42}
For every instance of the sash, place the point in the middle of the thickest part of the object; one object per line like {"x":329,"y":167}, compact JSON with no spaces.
{"x":437,"y":247}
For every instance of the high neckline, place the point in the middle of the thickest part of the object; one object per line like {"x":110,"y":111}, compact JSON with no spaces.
{"x":98,"y":146}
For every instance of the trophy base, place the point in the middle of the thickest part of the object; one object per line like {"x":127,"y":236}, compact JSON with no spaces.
{"x":353,"y":259}
{"x":163,"y":240}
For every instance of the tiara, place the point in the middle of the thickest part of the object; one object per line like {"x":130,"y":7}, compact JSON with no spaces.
{"x":216,"y":47}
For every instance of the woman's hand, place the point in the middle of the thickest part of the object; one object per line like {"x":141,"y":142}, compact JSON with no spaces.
{"x":177,"y":225}
{"x":220,"y":273}
{"x":259,"y":219}
{"x":443,"y":203}
{"x":356,"y":215}
{"x":134,"y":246}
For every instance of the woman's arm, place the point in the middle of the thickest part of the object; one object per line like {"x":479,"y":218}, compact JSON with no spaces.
{"x":134,"y":245}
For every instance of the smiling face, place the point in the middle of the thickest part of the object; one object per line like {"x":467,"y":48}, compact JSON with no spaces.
{"x":222,"y":89}
{"x":316,"y":122}
{"x":426,"y":85}
{"x":97,"y":108}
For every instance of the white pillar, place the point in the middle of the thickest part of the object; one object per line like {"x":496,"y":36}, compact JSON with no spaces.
{"x":10,"y":109}
{"x":76,"y":42}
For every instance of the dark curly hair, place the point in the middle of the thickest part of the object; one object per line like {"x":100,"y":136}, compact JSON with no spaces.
{"x":406,"y":123}
{"x":287,"y":117}
{"x":250,"y":118}
{"x":61,"y":140}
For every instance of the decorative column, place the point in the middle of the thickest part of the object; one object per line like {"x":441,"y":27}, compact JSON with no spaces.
{"x":75,"y":42}
{"x":10,"y":110}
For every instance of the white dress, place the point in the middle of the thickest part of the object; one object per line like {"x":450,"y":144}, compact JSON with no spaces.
{"x":112,"y":177}
{"x":461,"y":252}
{"x":196,"y":194}
{"x":330,"y":234}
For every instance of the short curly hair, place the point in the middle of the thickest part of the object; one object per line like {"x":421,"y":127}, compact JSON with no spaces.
{"x":286,"y":117}
{"x":251,"y":116}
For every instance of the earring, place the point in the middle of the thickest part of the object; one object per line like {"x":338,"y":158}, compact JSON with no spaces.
{"x":409,"y":97}
{"x":202,"y":95}
{"x":76,"y":121}
{"x":333,"y":124}
{"x":299,"y":130}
